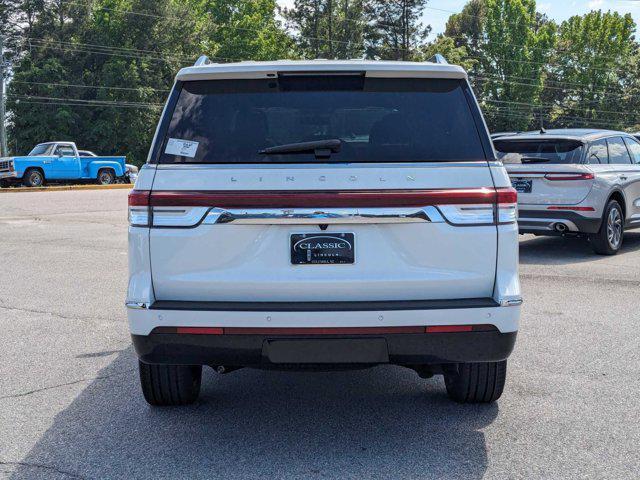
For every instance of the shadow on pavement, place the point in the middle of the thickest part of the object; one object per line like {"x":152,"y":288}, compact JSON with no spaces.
{"x":379,"y":423}
{"x":561,"y":251}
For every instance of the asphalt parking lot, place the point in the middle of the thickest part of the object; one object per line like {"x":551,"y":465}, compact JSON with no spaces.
{"x":70,"y":405}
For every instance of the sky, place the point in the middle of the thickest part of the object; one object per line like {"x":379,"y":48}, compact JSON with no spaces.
{"x":438,"y":11}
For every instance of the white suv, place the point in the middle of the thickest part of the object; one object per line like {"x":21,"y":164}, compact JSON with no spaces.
{"x":322,"y":215}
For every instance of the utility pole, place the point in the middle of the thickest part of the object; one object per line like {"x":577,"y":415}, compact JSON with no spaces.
{"x":3,"y":131}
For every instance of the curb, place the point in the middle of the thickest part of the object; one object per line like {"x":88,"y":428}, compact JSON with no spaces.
{"x":117,"y":186}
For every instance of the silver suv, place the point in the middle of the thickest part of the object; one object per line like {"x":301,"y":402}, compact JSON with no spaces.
{"x":323,"y":215}
{"x":575,"y":182}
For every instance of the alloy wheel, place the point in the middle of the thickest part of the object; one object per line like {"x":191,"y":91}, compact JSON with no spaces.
{"x":614,"y":228}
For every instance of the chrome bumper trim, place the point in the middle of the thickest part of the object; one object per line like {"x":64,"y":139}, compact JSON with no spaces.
{"x":136,"y":305}
{"x":7,"y":174}
{"x":326,"y":216}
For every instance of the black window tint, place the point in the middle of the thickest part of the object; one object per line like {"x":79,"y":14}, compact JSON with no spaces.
{"x":376,"y":120}
{"x":618,"y":153}
{"x":538,"y":151}
{"x":598,"y":153}
{"x":634,"y":149}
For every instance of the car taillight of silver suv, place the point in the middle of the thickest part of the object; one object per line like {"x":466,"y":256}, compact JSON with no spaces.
{"x":322,"y":215}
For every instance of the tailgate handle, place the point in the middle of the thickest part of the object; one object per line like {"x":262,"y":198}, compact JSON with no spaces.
{"x":299,"y":216}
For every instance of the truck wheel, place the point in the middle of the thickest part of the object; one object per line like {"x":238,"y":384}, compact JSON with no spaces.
{"x":609,"y":239}
{"x":106,"y":177}
{"x":170,"y":385}
{"x":33,"y":178}
{"x":477,"y":382}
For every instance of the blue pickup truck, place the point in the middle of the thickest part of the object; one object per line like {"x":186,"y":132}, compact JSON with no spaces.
{"x":60,"y":161}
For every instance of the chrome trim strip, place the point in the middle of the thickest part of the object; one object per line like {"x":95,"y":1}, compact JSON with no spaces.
{"x":511,"y":301}
{"x":315,"y":216}
{"x":136,"y":305}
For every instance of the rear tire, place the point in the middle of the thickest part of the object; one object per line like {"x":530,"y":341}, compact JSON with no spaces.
{"x":477,"y":382}
{"x":33,"y":178}
{"x":609,"y":239}
{"x":106,"y":177}
{"x":170,"y":385}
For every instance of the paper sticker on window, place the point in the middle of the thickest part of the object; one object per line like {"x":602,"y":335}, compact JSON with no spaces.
{"x":183,"y":148}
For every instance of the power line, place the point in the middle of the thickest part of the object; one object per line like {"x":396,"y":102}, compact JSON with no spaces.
{"x":94,"y":102}
{"x":512,"y":102}
{"x":83,"y":105}
{"x":544,"y":86}
{"x":91,"y":86}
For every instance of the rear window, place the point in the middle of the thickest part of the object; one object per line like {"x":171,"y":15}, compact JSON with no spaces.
{"x":362,"y":119}
{"x":539,"y":151}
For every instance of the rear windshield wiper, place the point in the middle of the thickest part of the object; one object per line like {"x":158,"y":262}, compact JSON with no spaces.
{"x":320,"y":148}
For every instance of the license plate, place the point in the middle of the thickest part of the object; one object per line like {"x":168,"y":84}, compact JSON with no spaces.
{"x":522,"y":186}
{"x":329,"y":249}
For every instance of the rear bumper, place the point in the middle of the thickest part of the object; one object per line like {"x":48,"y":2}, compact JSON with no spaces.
{"x":543,"y":222}
{"x":268,"y":334}
{"x":273,"y":351}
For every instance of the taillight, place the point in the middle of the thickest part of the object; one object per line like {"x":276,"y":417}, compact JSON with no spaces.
{"x":459,"y":206}
{"x":501,"y":208}
{"x":507,"y":205}
{"x":569,"y":176}
{"x":139,"y":209}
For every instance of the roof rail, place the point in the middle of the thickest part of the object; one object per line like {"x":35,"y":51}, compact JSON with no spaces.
{"x":437,"y":58}
{"x":203,"y":60}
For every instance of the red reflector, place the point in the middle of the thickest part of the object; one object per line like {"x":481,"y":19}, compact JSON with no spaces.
{"x":139,"y":198}
{"x":575,"y":209}
{"x":448,"y":328}
{"x":322,"y":330}
{"x":507,"y":195}
{"x":344,"y":198}
{"x":200,"y":330}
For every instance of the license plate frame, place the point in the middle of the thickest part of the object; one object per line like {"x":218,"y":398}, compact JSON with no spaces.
{"x":522,"y":185}
{"x":322,"y":249}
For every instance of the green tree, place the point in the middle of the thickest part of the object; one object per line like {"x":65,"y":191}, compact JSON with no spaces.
{"x":98,"y":72}
{"x":328,"y":28}
{"x":518,"y":43}
{"x":593,"y":78}
{"x":467,"y":28}
{"x":446,"y":46}
{"x":396,"y":32}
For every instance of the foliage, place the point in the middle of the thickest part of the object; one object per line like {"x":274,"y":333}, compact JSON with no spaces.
{"x":396,"y":32}
{"x":593,"y":74}
{"x":98,"y":71}
{"x":328,"y":28}
{"x":517,"y":46}
{"x":446,"y":46}
{"x":109,"y":64}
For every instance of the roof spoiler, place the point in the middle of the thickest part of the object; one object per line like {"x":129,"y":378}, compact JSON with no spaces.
{"x":437,"y":58}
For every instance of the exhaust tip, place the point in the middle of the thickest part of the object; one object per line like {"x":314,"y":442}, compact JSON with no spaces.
{"x":560,"y":227}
